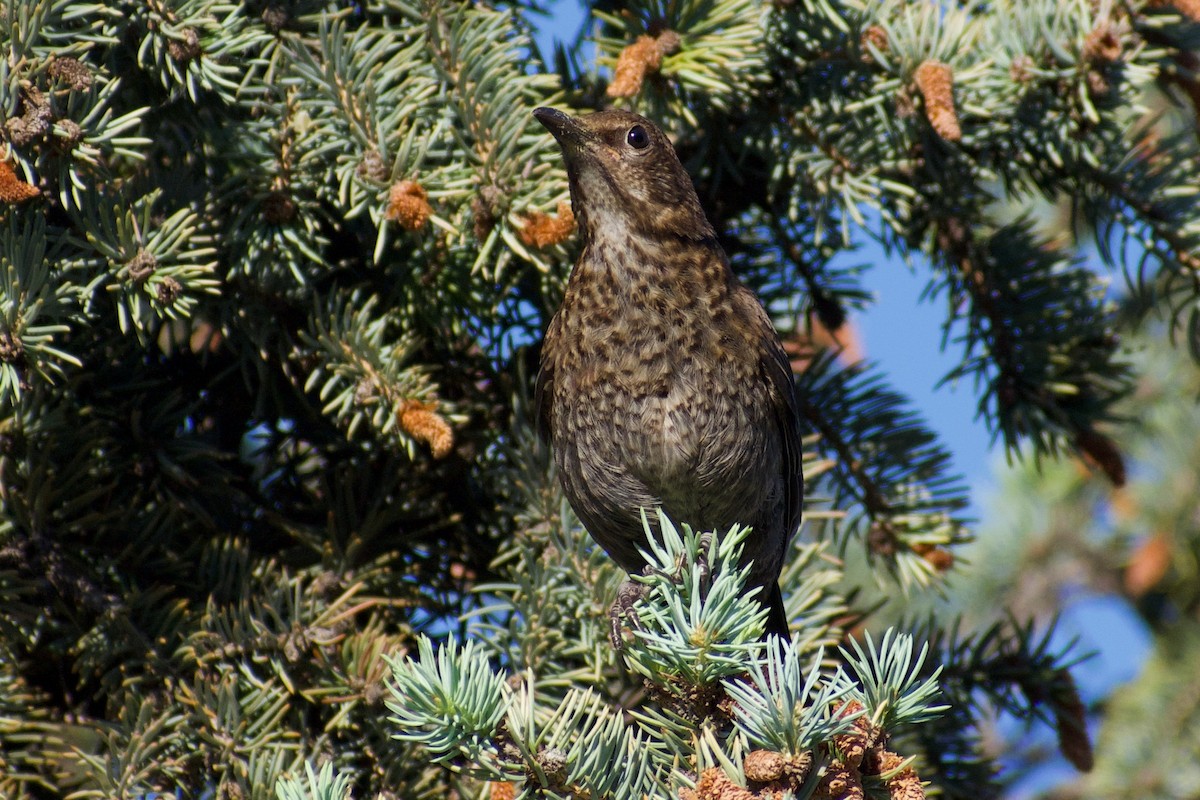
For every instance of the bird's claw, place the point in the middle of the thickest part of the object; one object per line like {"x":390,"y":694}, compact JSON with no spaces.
{"x":621,"y":611}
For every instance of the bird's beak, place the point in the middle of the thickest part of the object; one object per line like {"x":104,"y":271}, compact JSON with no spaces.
{"x":566,"y":129}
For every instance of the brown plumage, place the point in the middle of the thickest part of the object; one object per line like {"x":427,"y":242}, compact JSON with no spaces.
{"x":663,"y":383}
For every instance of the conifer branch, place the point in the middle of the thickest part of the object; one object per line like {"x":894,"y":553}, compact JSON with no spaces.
{"x":917,"y":513}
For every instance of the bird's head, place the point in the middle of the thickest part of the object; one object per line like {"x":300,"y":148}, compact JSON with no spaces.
{"x":625,"y":176}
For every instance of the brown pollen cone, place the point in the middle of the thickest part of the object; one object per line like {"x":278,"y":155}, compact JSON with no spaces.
{"x":1189,"y":8}
{"x":936,"y":82}
{"x":422,"y":422}
{"x":12,"y":189}
{"x":408,"y":206}
{"x":542,"y":230}
{"x":643,"y":57}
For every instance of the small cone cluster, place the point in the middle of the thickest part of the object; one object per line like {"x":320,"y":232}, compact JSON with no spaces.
{"x":772,"y":776}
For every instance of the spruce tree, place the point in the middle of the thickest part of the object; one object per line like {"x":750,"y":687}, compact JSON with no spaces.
{"x":274,"y":275}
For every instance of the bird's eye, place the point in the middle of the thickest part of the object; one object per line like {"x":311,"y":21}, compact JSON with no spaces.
{"x":637,"y":138}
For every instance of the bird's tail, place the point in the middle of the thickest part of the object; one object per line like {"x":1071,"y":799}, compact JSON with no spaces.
{"x":777,"y":621}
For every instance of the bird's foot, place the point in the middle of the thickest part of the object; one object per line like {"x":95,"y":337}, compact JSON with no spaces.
{"x":621,"y":611}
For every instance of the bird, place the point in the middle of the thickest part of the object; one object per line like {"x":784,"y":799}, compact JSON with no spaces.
{"x":663,"y":384}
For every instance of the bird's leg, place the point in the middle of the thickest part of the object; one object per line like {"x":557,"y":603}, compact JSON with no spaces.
{"x":702,"y":546}
{"x":702,"y":566}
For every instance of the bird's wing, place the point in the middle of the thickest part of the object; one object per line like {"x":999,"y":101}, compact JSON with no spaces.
{"x":787,"y":417}
{"x":786,"y":408}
